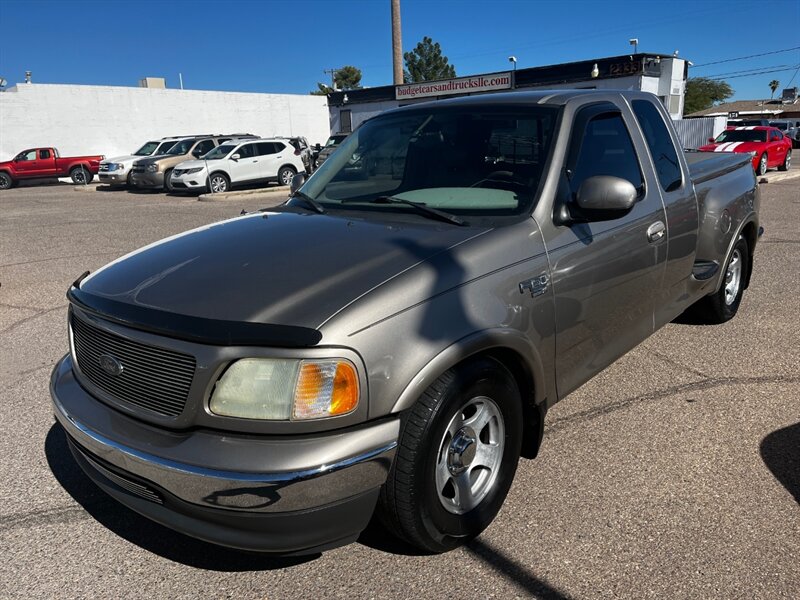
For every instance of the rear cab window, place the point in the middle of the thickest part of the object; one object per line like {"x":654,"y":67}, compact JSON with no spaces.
{"x":659,"y":142}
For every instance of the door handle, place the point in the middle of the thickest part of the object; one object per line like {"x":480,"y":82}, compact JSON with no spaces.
{"x":655,"y":232}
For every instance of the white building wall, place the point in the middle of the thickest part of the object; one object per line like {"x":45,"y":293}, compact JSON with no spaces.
{"x":81,"y":119}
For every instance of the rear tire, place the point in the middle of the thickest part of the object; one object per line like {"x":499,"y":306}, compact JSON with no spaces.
{"x":762,"y":165}
{"x":787,"y":162}
{"x":6,"y":183}
{"x":285,"y":175}
{"x":458,"y":450}
{"x":80,"y":175}
{"x":218,"y":183}
{"x":723,"y":304}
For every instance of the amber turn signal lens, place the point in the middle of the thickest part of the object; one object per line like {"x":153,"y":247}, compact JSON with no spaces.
{"x":325,"y":389}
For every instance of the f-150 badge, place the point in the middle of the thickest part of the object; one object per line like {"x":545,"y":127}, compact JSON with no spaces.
{"x":536,"y":286}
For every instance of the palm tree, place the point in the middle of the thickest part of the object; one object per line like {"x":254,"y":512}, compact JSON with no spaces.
{"x":774,"y":85}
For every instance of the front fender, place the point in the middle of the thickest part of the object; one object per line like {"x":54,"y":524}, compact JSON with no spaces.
{"x":477,"y":343}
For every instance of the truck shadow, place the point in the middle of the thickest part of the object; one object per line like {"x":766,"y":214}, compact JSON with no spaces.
{"x":143,"y":532}
{"x":780,"y":451}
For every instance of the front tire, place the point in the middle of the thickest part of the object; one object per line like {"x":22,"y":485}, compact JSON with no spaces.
{"x":218,"y":183}
{"x":285,"y":175}
{"x":6,"y":183}
{"x":762,"y":165}
{"x":168,"y":182}
{"x":787,"y":162}
{"x":458,"y":451}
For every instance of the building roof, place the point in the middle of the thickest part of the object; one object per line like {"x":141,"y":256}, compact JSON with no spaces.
{"x":770,"y":108}
{"x":611,"y":67}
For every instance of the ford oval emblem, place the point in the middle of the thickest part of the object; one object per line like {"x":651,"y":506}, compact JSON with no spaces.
{"x":110,"y":365}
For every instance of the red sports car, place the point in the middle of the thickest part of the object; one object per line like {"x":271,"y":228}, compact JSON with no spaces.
{"x":768,"y":146}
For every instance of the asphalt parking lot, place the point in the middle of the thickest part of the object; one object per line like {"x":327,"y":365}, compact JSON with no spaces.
{"x":675,"y":473}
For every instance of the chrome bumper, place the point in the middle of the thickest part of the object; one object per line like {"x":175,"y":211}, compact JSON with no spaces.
{"x":356,"y":461}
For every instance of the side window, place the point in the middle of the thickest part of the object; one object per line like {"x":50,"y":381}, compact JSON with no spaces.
{"x":44,"y":154}
{"x":246,"y":151}
{"x":264,"y":148}
{"x":776,"y":135}
{"x":656,"y":134}
{"x":29,"y":155}
{"x":278,"y":147}
{"x":604,"y":147}
{"x":203,"y":147}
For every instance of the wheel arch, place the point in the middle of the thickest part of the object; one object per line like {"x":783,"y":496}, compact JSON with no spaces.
{"x":749,"y":231}
{"x":512,"y":350}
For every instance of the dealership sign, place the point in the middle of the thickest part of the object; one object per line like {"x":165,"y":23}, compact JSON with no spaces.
{"x":459,"y":85}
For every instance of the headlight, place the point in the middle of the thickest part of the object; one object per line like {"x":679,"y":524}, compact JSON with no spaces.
{"x":151,"y":168}
{"x":286,"y":389}
{"x":195,"y":170}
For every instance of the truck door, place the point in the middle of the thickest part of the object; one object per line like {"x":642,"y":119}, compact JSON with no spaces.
{"x":26,"y":163}
{"x":605,"y":273}
{"x":680,"y":205}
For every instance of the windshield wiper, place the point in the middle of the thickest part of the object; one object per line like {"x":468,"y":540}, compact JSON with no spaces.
{"x":420,"y":206}
{"x":315,"y":206}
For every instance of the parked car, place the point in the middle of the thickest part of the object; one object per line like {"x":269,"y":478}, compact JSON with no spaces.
{"x":790,"y":129}
{"x":36,"y":163}
{"x":239,"y":162}
{"x":302,"y":148}
{"x":118,"y":170}
{"x":392,"y":338}
{"x":333,"y":142}
{"x":767,"y":146}
{"x":154,"y":172}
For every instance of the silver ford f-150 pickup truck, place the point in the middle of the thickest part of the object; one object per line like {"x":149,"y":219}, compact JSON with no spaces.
{"x":391,"y":338}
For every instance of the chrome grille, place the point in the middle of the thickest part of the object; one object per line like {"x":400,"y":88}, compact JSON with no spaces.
{"x":152,"y":378}
{"x":103,"y":167}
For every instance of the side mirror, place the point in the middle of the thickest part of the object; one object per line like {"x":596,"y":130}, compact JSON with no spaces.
{"x":710,"y":140}
{"x":606,"y":194}
{"x":318,"y":146}
{"x":235,"y":157}
{"x":297,"y":182}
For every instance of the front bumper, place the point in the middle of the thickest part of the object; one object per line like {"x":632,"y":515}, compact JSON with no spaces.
{"x":192,"y":482}
{"x":148,"y":180}
{"x":194,"y":181}
{"x":115,"y":177}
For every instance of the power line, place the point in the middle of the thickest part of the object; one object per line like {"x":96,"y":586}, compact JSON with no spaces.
{"x":752,"y":69}
{"x":727,"y":60}
{"x":758,"y":73}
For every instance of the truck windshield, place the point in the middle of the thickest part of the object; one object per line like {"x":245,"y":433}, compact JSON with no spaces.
{"x":219,"y":152}
{"x":181,"y":147}
{"x":460,"y":159}
{"x":147,"y":149}
{"x":742,"y":135}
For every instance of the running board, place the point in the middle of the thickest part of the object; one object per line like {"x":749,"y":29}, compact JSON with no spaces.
{"x":704,"y":270}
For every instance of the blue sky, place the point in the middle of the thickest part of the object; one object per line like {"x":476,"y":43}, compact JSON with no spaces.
{"x":284,"y":46}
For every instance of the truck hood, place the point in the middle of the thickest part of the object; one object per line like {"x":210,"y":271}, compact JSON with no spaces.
{"x":123,"y":159}
{"x":280,"y":268}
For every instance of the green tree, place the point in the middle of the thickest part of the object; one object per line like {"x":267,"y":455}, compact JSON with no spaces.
{"x":703,"y":93}
{"x":426,"y":62}
{"x":773,"y":86}
{"x":346,"y":78}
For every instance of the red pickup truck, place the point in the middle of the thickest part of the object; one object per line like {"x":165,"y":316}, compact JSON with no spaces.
{"x":46,"y":162}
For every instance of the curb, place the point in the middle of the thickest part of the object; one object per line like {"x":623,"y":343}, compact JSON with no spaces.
{"x":271,"y":192}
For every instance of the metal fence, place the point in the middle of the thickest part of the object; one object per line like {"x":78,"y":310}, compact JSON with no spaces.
{"x":694,"y":133}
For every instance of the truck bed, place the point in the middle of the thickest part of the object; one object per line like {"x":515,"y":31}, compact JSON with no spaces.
{"x":709,"y":165}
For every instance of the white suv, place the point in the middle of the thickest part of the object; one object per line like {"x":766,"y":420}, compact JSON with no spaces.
{"x":116,"y":171}
{"x":239,"y":162}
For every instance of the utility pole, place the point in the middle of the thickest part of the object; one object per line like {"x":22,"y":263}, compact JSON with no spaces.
{"x":397,"y":43}
{"x":333,"y":76}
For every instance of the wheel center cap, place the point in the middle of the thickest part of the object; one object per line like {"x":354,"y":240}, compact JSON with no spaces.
{"x":461,"y":451}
